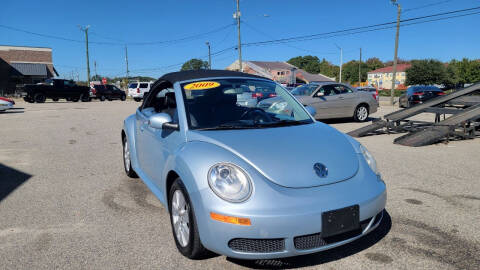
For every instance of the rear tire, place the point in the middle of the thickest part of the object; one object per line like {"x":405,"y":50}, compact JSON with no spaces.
{"x":184,"y":224}
{"x":127,"y":163}
{"x":361,"y":113}
{"x":85,"y":98}
{"x":137,"y":99}
{"x":55,"y":99}
{"x":39,"y":98}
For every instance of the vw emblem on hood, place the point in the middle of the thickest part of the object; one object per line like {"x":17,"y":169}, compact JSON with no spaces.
{"x":320,"y":169}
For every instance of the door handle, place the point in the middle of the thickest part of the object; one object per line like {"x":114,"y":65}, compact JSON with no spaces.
{"x":341,"y":97}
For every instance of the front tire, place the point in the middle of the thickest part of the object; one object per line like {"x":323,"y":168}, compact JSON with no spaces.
{"x":123,"y":97}
{"x":127,"y":163}
{"x":40,"y":98}
{"x":361,"y":113}
{"x":184,"y":226}
{"x":102,"y":98}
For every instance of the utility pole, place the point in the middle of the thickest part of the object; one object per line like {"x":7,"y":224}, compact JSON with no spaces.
{"x":237,"y":17}
{"x":341,"y":62}
{"x":209,"y":55}
{"x":392,"y":91}
{"x":95,"y":65}
{"x":126,"y":62}
{"x":360,"y":69}
{"x":85,"y":29}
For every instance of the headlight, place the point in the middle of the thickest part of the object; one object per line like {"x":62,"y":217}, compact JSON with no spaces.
{"x":369,"y":158}
{"x":229,"y":182}
{"x":279,"y":106}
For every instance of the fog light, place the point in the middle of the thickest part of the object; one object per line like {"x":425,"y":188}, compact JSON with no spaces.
{"x":229,"y":219}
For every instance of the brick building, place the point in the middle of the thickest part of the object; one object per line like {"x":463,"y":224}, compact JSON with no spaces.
{"x":22,"y":65}
{"x":281,"y":72}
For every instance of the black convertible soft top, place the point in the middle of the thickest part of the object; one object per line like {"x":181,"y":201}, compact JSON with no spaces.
{"x":203,"y":73}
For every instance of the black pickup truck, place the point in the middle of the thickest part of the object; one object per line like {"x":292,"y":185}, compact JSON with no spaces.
{"x":56,"y":89}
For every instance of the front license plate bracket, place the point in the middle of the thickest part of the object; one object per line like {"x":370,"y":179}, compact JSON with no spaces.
{"x":340,"y":221}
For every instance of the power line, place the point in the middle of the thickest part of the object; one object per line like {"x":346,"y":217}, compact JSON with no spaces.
{"x":427,"y":5}
{"x":291,"y":46}
{"x":168,"y":42}
{"x":334,"y":33}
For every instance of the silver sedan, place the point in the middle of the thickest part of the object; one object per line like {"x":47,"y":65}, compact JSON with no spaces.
{"x":330,"y":100}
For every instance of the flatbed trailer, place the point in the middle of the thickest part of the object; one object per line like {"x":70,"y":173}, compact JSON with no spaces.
{"x":463,"y":123}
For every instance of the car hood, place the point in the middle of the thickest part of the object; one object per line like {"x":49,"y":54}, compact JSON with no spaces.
{"x":286,"y":155}
{"x":305,"y":100}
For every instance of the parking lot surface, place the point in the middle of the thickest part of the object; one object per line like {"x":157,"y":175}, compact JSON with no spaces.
{"x":66,"y":203}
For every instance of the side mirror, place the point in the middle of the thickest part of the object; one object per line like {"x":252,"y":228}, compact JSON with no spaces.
{"x":311,"y":110}
{"x":162,"y":121}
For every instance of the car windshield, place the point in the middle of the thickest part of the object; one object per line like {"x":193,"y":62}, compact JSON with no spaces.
{"x":133,"y":85}
{"x":218,"y":104}
{"x":305,"y":90}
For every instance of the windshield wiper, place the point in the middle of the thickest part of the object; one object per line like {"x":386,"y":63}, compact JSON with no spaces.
{"x":227,"y":127}
{"x":283,"y":123}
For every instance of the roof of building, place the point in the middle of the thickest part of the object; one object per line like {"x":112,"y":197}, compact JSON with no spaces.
{"x":389,"y":69}
{"x":29,"y":69}
{"x":273,"y":65}
{"x":313,"y":77}
{"x":179,"y":76}
{"x":24,"y":48}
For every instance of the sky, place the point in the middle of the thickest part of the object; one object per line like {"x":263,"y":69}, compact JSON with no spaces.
{"x":193,"y":22}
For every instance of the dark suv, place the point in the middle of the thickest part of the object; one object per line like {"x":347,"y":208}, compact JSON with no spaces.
{"x":56,"y":89}
{"x":107,"y":91}
{"x":419,"y":94}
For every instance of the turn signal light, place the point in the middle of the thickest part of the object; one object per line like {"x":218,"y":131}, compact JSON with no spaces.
{"x":229,"y":219}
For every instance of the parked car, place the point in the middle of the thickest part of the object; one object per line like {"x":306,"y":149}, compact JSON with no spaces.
{"x":418,"y":94}
{"x":56,"y":89}
{"x":330,"y":100}
{"x":137,"y":90}
{"x":107,"y":91}
{"x":6,"y":103}
{"x":371,"y":90}
{"x":247,"y":183}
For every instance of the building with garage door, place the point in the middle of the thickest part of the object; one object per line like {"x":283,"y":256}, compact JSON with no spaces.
{"x":21,"y":65}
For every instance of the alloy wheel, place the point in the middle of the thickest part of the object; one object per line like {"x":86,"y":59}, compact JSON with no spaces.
{"x":362,"y":113}
{"x":181,"y":218}
{"x":126,"y":155}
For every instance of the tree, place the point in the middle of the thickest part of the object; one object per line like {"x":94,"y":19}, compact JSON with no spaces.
{"x":374,"y":63}
{"x":426,"y":72}
{"x":310,"y":64}
{"x":399,"y":61}
{"x":194,"y":64}
{"x":468,"y":71}
{"x":350,"y":71}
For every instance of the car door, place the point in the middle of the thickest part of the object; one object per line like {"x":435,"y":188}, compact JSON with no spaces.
{"x":154,"y":146}
{"x":109,"y":91}
{"x":347,"y":100}
{"x":326,"y":102}
{"x":144,"y":88}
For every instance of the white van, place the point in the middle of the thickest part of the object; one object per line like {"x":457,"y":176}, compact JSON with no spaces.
{"x":137,"y":90}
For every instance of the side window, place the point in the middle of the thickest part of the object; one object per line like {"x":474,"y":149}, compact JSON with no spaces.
{"x":144,"y":85}
{"x":343,"y":89}
{"x":327,"y":90}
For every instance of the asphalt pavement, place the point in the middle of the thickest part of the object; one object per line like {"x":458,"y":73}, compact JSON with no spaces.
{"x":65,"y":202}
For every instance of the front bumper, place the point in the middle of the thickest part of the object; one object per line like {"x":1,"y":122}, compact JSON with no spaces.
{"x":281,"y":216}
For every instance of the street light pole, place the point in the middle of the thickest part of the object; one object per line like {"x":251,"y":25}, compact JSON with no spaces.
{"x":237,"y":17}
{"x":394,"y":75}
{"x":341,"y":62}
{"x":209,"y":55}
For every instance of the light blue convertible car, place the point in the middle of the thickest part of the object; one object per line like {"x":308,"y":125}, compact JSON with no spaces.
{"x":245,"y":182}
